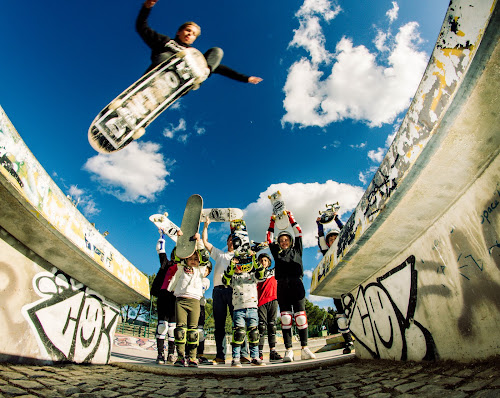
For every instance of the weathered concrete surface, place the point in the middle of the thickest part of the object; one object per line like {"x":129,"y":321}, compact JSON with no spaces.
{"x":419,"y":257}
{"x":37,"y":213}
{"x":61,"y":282}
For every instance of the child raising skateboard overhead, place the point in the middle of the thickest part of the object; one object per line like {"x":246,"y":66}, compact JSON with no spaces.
{"x":163,"y":47}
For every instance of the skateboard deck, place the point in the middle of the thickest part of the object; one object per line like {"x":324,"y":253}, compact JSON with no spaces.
{"x":279,"y":210}
{"x":241,"y":242}
{"x":221,"y":214}
{"x":165,"y":225}
{"x":328,"y":215}
{"x":189,"y":227}
{"x":126,"y":117}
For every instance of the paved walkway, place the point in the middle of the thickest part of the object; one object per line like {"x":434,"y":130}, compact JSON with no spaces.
{"x":331,"y":375}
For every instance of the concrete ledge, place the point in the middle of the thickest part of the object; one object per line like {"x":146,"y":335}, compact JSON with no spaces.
{"x":38,"y":214}
{"x":447,"y":139}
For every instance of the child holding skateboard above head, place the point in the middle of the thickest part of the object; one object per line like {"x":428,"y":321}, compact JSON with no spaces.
{"x":243,"y":277}
{"x":187,"y":286}
{"x":324,"y":243}
{"x":163,"y":47}
{"x":165,"y":303}
{"x":287,"y":254}
{"x":268,"y":308}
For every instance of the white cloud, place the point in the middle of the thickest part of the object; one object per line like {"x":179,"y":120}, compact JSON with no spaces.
{"x":377,"y":155}
{"x":365,"y":175}
{"x":83,"y":201}
{"x":304,"y":200}
{"x":134,"y":174}
{"x":172,"y":130}
{"x":392,"y":14}
{"x":358,"y":146}
{"x":373,"y":87}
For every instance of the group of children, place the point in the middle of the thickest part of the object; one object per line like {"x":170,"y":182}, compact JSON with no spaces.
{"x":257,"y":291}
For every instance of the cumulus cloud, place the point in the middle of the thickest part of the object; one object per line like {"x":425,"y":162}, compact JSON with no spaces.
{"x":373,"y":87}
{"x":134,"y":174}
{"x":304,"y":200}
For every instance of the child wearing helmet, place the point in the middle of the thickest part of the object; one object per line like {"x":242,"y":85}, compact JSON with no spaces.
{"x":187,"y":286}
{"x":243,"y":277}
{"x":165,"y":303}
{"x":268,"y":308}
{"x":287,"y":254}
{"x":324,"y":243}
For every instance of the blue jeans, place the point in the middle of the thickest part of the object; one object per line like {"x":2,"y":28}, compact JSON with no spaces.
{"x":246,"y":317}
{"x":223,"y":300}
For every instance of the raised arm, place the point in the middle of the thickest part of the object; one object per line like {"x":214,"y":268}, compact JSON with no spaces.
{"x":204,"y":236}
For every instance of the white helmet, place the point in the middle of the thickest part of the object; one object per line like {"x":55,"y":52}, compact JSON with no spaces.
{"x":285,"y":233}
{"x":333,"y":231}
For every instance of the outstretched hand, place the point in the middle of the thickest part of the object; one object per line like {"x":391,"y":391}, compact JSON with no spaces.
{"x":150,"y":3}
{"x":254,"y":80}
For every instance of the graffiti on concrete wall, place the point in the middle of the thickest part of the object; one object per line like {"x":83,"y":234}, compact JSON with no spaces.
{"x":70,"y":321}
{"x":381,"y":316}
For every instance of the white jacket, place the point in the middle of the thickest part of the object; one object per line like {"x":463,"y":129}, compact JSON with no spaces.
{"x":186,"y":284}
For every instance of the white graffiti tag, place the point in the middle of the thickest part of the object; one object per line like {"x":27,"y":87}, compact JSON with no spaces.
{"x":70,"y":322}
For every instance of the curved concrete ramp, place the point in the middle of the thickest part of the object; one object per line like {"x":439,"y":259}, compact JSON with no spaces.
{"x":38,"y":214}
{"x":418,"y":260}
{"x":61,"y":282}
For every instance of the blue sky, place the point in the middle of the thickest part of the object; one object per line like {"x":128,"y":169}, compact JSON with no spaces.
{"x":338,"y":78}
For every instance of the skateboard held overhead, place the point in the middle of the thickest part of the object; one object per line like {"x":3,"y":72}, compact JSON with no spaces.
{"x":221,"y":214}
{"x":329,"y":214}
{"x":126,"y":117}
{"x":279,"y":210}
{"x":186,"y":244}
{"x":165,"y":225}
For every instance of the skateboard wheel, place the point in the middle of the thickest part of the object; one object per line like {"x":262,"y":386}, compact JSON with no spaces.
{"x":269,"y":196}
{"x":139,"y":133}
{"x":279,"y":193}
{"x":165,"y":214}
{"x":115,"y":104}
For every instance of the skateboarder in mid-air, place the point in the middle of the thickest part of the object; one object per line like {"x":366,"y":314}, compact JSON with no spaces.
{"x":163,"y":47}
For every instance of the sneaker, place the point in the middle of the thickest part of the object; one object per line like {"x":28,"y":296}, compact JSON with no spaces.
{"x":192,"y":363}
{"x":275,"y":356}
{"x":160,"y":359}
{"x":236,"y":363}
{"x":203,"y":360}
{"x":348,"y":348}
{"x":258,"y":362}
{"x":180,"y":362}
{"x":171,"y":358}
{"x":245,"y":360}
{"x":219,"y":361}
{"x":306,"y":353}
{"x":288,"y":355}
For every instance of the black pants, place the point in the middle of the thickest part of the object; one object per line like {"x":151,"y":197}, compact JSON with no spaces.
{"x":267,"y":323}
{"x":292,"y":298}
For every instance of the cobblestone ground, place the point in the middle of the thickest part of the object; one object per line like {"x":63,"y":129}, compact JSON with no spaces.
{"x":374,"y":379}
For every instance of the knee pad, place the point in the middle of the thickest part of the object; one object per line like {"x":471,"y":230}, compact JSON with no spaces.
{"x":192,"y":336}
{"x":342,"y":323}
{"x":253,"y":336}
{"x":161,"y":330}
{"x":171,"y":328}
{"x":262,"y":328}
{"x":238,"y":336}
{"x":180,"y":335}
{"x":286,"y":320}
{"x":300,"y":320}
{"x":201,"y":334}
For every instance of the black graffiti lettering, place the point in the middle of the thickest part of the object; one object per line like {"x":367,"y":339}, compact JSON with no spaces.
{"x":382,"y":189}
{"x":382,"y":325}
